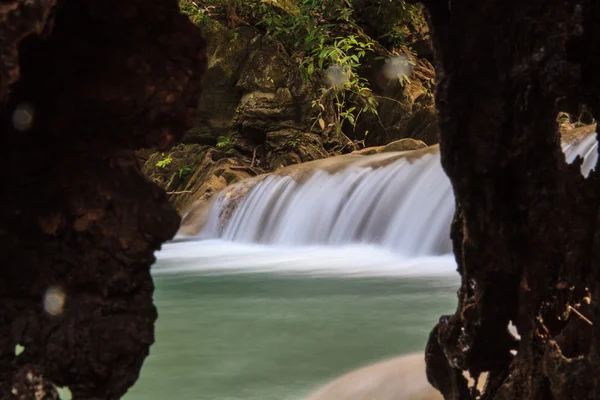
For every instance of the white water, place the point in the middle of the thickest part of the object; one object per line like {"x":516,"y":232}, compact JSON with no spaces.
{"x":219,"y":257}
{"x":405,"y":206}
{"x":588,"y":149}
{"x":388,"y":221}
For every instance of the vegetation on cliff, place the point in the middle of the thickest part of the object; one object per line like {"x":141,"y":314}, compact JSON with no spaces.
{"x":295,"y":81}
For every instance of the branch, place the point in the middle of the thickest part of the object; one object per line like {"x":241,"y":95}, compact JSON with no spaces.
{"x":254,"y":156}
{"x":181,"y":192}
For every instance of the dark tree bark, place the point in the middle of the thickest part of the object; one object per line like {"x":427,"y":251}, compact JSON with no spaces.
{"x":526,"y":230}
{"x":83,"y":83}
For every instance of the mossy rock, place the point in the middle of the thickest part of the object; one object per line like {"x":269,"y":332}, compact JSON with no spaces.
{"x":267,"y":68}
{"x":289,"y":146}
{"x":403,"y":145}
{"x":423,"y":126}
{"x":195,"y":172}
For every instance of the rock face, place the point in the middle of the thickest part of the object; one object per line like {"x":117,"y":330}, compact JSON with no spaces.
{"x":256,"y":106}
{"x":81,"y":86}
{"x":255,"y":97}
{"x":405,"y":110}
{"x":525,"y":231}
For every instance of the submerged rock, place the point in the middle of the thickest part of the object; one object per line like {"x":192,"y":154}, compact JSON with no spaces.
{"x":400,"y":378}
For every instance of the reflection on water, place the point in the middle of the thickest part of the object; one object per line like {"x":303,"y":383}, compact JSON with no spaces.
{"x":273,"y":336}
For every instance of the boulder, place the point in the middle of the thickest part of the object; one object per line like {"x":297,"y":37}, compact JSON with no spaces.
{"x":289,"y":146}
{"x":195,"y":172}
{"x":403,"y":145}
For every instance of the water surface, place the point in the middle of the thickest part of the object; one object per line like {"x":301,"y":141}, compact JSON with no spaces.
{"x":276,"y":336}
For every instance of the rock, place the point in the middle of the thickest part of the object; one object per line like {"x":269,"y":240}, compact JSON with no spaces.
{"x":228,"y":48}
{"x":79,"y":223}
{"x":256,"y":102}
{"x":254,"y":88}
{"x":195,"y":217}
{"x":195,"y":172}
{"x":367,"y":151}
{"x":250,"y":88}
{"x":398,"y":101}
{"x":395,"y":24}
{"x":287,"y":147}
{"x":575,"y":135}
{"x":399,"y":378}
{"x":403,"y":145}
{"x":267,"y":69}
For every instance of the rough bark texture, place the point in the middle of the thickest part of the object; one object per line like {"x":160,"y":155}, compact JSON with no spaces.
{"x":82,"y":84}
{"x":526,"y":231}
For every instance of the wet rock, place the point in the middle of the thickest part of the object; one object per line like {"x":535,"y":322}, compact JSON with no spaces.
{"x":403,"y":145}
{"x":288,"y":147}
{"x":227,"y":49}
{"x":367,"y":151}
{"x":196,"y":172}
{"x":400,"y":101}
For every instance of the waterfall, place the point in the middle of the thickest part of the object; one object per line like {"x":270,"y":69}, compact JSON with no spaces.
{"x":405,"y":205}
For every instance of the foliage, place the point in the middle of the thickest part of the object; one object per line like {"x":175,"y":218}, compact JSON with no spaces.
{"x":327,"y":42}
{"x":319,"y":45}
{"x":350,"y":91}
{"x":182,"y":171}
{"x":224,"y":141}
{"x":400,"y":21}
{"x":199,"y":14}
{"x":164,"y":161}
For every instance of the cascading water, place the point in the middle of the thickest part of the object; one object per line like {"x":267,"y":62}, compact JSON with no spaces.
{"x":389,"y":206}
{"x":586,"y":148}
{"x":405,"y":206}
{"x":259,"y":306}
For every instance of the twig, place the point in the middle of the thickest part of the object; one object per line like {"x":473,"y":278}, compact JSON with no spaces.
{"x":254,"y":156}
{"x":387,"y":98}
{"x":181,"y":192}
{"x":580,"y":315}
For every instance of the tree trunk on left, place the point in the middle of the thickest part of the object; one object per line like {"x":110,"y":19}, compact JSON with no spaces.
{"x":83,"y":83}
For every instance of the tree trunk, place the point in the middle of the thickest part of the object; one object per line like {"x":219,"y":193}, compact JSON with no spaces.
{"x":525,"y":233}
{"x":84,"y":83}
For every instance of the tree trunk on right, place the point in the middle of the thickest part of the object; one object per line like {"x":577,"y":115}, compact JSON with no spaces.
{"x":526,"y":230}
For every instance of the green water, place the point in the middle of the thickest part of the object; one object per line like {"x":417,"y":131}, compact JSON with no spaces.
{"x":270,"y":337}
